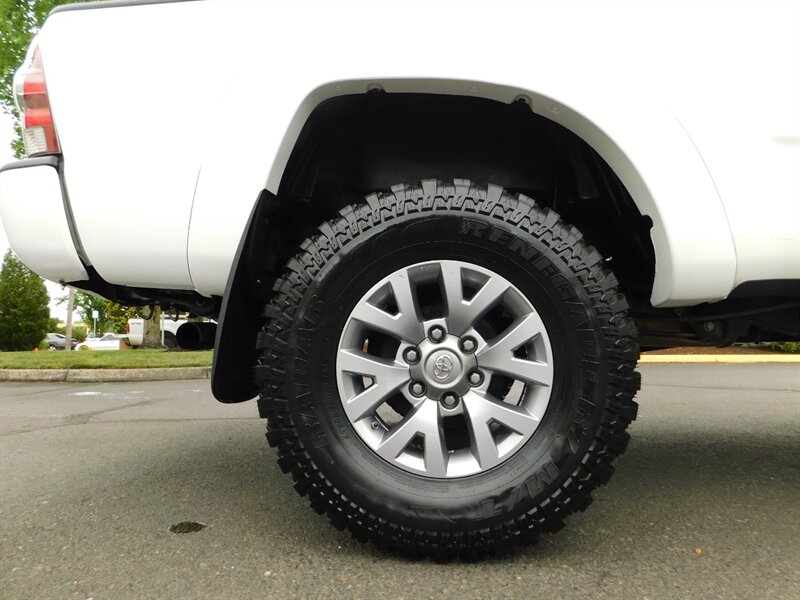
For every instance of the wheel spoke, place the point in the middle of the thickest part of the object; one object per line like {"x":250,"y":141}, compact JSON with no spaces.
{"x":368,"y":401}
{"x":498,"y":356}
{"x":529,"y":371}
{"x":408,"y":313}
{"x":384,"y":370}
{"x":452,"y":287}
{"x":482,"y":411}
{"x":388,"y":377}
{"x":462,"y":314}
{"x":424,"y":421}
{"x":406,"y":324}
{"x":483,"y":446}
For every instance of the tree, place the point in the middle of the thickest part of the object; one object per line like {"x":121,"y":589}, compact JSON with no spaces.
{"x":152,"y":330}
{"x":19,"y":21}
{"x":110,"y":315}
{"x":24,"y":312}
{"x":79,"y":332}
{"x":85,"y":304}
{"x":117,"y":316}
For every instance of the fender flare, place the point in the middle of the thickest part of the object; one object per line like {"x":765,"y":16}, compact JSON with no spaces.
{"x":668,"y":179}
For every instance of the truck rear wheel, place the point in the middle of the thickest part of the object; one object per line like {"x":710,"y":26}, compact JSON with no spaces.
{"x":447,"y":370}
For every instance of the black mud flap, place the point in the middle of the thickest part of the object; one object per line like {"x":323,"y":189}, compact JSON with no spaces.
{"x":240,"y":315}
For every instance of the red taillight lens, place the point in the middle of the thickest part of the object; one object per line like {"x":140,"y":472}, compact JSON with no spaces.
{"x":30,"y":87}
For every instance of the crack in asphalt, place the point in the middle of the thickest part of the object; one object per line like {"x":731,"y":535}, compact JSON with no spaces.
{"x":716,"y":387}
{"x":81,"y":418}
{"x":115,"y":422}
{"x":25,"y":393}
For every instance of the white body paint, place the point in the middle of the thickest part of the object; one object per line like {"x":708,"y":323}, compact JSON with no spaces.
{"x":173,"y":117}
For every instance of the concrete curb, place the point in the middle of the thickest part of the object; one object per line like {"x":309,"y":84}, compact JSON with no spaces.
{"x":101,"y":375}
{"x":720,"y":358}
{"x":166,"y":374}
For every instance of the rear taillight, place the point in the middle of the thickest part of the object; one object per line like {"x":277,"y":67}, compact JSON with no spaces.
{"x":39,"y":131}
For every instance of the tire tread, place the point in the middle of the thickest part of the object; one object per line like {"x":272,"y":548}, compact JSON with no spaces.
{"x":619,"y":333}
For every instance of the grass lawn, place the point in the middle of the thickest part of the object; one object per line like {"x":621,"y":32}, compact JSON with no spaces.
{"x":122,"y":359}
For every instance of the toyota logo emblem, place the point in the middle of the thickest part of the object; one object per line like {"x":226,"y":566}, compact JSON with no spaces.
{"x":442,"y":367}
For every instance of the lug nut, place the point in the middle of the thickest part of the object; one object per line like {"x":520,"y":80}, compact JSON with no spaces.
{"x":417,"y":388}
{"x":475,"y":378}
{"x":450,"y":400}
{"x":411,"y":356}
{"x":469,"y":344}
{"x":436,"y":333}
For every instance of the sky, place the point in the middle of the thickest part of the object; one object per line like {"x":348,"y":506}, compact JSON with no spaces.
{"x":54,"y":289}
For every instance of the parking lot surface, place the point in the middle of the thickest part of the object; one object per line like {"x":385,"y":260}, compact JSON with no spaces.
{"x":704,"y":504}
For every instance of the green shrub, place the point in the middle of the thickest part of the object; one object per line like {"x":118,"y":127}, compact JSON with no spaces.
{"x":793,"y":347}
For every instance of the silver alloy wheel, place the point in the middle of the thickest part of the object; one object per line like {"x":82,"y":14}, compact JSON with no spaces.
{"x":444,"y":369}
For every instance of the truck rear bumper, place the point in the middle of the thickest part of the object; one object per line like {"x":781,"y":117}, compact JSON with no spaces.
{"x":33,"y":210}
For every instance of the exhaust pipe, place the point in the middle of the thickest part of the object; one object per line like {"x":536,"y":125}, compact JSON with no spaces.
{"x":196,"y":336}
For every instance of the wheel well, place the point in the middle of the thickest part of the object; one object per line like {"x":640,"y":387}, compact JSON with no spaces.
{"x":353,"y":145}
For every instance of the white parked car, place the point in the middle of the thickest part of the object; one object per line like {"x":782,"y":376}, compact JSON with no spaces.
{"x":110,"y":341}
{"x":434,"y":235}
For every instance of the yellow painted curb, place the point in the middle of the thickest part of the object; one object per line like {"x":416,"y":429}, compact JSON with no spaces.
{"x":720,"y":358}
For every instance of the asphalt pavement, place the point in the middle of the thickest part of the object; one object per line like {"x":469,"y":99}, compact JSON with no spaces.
{"x":704,"y":504}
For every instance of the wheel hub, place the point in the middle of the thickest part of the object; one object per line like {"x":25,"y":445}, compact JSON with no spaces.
{"x":443,"y":367}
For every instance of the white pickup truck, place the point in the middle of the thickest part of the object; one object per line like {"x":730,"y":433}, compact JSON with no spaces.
{"x":169,"y":331}
{"x":435,"y":236}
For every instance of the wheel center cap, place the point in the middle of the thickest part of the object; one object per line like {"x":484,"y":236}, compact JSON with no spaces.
{"x":443,"y":367}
